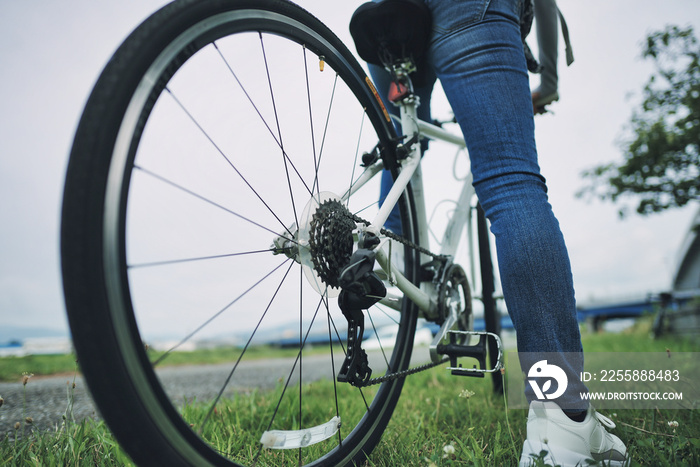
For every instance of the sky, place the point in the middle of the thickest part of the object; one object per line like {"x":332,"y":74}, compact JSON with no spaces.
{"x":53,"y":52}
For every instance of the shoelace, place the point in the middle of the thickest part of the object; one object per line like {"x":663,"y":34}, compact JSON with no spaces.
{"x":605,"y":420}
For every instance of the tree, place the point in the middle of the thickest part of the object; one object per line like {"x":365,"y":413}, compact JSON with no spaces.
{"x":661,"y":163}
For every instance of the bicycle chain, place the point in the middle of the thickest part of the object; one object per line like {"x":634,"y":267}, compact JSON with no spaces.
{"x":400,"y":239}
{"x":404,"y":373}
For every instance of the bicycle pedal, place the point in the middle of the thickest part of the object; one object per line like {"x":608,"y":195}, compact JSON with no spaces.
{"x":477,"y":351}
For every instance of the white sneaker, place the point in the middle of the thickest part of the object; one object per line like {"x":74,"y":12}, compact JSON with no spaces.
{"x":570,"y":443}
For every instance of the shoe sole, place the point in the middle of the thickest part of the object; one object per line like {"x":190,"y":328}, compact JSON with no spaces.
{"x":532,"y":456}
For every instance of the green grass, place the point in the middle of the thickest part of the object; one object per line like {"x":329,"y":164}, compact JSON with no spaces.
{"x":12,"y":368}
{"x":636,"y":339}
{"x":435,"y":411}
{"x":80,"y":444}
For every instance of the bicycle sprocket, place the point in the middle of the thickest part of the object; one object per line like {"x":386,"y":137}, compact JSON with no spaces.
{"x":331,"y":240}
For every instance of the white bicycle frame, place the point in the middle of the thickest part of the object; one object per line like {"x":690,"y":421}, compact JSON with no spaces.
{"x":424,"y":296}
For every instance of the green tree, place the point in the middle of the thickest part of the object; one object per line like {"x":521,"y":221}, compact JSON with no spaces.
{"x":661,"y":165}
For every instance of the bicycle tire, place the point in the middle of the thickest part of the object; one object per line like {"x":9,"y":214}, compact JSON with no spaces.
{"x":108,"y":239}
{"x":492,"y":319}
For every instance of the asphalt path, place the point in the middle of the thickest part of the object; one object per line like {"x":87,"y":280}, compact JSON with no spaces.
{"x":47,"y":400}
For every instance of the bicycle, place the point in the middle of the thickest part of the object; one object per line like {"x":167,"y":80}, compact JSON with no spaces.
{"x":216,"y":186}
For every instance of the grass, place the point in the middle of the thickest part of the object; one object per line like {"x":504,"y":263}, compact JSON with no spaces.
{"x":12,"y":368}
{"x":441,"y":420}
{"x":86,"y":443}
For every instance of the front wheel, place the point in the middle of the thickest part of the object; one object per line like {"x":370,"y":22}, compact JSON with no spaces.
{"x":212,"y":130}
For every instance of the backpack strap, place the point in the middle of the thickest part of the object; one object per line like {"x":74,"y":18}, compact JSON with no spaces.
{"x":567,"y":41}
{"x":527,"y":14}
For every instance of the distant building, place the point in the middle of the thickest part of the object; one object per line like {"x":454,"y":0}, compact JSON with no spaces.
{"x":11,"y":349}
{"x":681,"y":315}
{"x":687,"y":276}
{"x":36,"y":346}
{"x":47,"y":345}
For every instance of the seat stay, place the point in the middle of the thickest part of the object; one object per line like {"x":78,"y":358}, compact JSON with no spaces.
{"x":408,"y":169}
{"x":367,"y":175}
{"x":425,"y":295}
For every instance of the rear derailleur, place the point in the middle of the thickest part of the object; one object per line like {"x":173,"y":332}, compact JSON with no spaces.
{"x":361,"y":288}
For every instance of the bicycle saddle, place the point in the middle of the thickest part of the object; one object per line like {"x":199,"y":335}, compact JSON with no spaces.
{"x":391,"y":30}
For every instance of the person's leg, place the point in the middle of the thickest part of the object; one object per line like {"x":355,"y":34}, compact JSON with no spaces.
{"x":478,"y":56}
{"x":480,"y":63}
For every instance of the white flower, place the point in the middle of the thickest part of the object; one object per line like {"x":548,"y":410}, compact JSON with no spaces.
{"x":449,"y":451}
{"x":466,"y":393}
{"x":673,"y":424}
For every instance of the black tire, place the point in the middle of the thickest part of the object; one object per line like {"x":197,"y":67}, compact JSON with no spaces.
{"x":492,"y":318}
{"x":138,"y":192}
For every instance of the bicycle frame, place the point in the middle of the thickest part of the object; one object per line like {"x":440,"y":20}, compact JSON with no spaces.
{"x":424,"y":296}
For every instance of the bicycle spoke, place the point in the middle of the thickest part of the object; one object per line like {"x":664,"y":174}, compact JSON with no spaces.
{"x":245,"y":348}
{"x":291,"y":373}
{"x":371,"y":205}
{"x":216,"y":315}
{"x":381,"y":347}
{"x":257,"y":110}
{"x":279,"y":132}
{"x":317,"y":163}
{"x":333,"y":373}
{"x":301,"y":351}
{"x":357,"y":151}
{"x":200,"y":258}
{"x":392,"y":318}
{"x":315,"y":187}
{"x":228,"y":160}
{"x":206,"y":200}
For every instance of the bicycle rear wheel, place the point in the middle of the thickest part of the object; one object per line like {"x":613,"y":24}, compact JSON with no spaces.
{"x":211,"y":130}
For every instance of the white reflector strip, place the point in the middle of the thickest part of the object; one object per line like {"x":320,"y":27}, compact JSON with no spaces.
{"x":294,"y":439}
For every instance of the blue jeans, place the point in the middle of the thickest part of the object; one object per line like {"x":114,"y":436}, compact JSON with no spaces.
{"x":476,"y":52}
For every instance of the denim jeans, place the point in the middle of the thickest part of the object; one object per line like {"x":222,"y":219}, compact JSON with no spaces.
{"x":477,"y":54}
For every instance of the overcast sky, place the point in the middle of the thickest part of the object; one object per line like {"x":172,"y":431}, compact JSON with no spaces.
{"x":53,"y":51}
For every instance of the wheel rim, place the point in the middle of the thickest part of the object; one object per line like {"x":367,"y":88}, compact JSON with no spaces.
{"x":138,"y":248}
